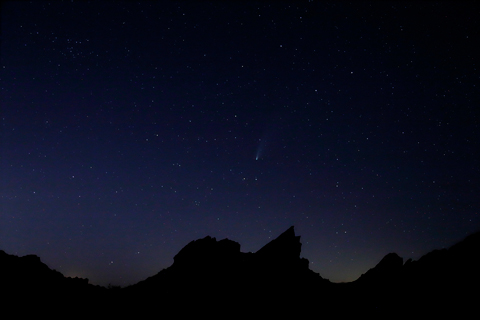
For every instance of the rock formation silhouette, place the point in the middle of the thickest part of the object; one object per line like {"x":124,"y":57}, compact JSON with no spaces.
{"x":219,"y":271}
{"x":30,"y":287}
{"x":215,"y":278}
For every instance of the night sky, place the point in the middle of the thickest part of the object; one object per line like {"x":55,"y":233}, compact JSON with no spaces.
{"x":129,"y":129}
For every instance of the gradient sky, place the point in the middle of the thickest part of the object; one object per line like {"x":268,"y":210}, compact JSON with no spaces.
{"x":129,"y":129}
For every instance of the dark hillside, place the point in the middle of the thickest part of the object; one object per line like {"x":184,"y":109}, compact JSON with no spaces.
{"x":215,"y":278}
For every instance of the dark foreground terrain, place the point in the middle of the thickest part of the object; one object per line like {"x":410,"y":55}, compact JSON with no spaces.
{"x":214,"y":278}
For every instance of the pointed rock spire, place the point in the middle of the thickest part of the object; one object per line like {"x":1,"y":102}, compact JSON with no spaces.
{"x":286,"y":246}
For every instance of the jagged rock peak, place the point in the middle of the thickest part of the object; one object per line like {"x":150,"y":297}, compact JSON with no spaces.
{"x":285,"y":246}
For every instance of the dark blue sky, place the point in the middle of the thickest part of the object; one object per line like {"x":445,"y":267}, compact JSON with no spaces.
{"x":131,"y":128}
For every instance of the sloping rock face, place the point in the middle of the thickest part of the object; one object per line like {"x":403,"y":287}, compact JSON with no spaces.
{"x":285,"y":247}
{"x":29,"y":286}
{"x":29,"y":273}
{"x":279,"y":262}
{"x":439,"y":283}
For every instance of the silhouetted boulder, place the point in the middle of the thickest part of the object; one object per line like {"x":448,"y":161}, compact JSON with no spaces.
{"x":207,"y":252}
